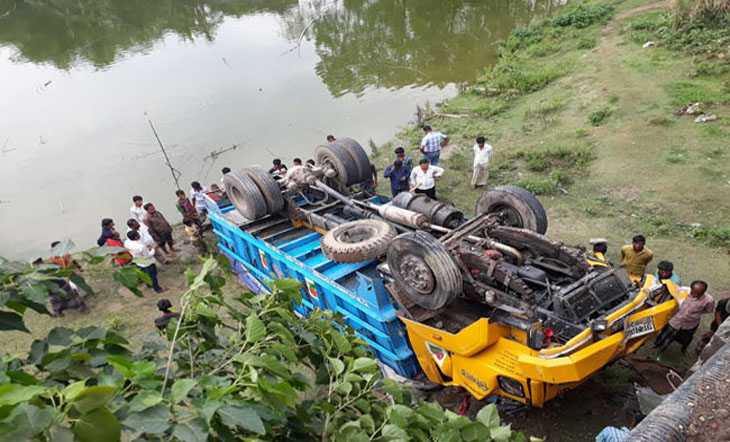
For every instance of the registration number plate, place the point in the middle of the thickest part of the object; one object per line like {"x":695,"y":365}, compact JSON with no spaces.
{"x":640,"y":327}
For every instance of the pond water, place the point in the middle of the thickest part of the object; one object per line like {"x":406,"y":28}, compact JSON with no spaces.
{"x":225,"y":82}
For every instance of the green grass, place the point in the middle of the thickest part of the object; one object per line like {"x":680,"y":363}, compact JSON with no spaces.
{"x":692,"y":91}
{"x":597,"y":117}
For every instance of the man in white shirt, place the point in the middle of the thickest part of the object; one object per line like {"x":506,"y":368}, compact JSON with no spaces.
{"x":137,"y":209}
{"x":134,"y":244}
{"x":432,"y":143}
{"x":225,"y":171}
{"x":423,"y":178}
{"x":482,"y":154}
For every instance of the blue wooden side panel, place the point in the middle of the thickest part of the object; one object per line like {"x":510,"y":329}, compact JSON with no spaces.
{"x":345,"y":288}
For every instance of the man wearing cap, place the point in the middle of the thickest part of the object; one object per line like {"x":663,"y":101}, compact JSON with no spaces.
{"x":597,"y":258}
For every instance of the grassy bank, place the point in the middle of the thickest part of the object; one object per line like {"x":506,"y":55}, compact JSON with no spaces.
{"x":581,"y":114}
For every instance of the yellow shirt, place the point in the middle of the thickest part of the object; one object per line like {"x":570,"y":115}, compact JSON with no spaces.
{"x":635,"y":262}
{"x":598,"y":259}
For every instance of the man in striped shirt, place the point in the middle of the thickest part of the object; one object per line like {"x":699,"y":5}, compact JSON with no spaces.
{"x":431,"y":145}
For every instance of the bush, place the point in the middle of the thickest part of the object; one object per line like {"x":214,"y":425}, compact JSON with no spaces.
{"x":582,"y":15}
{"x":554,"y":157}
{"x":544,"y":186}
{"x":523,"y":75}
{"x":712,"y":236}
{"x":598,"y":116}
{"x":688,"y":11}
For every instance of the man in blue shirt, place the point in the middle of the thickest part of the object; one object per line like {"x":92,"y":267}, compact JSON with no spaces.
{"x":665,"y":270}
{"x":398,"y":174}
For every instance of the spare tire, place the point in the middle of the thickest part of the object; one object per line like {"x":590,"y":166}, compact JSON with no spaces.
{"x":336,"y":156}
{"x":423,"y":270}
{"x":358,"y":241}
{"x":269,"y":189}
{"x":245,"y":195}
{"x":519,"y":208}
{"x":359,"y":156}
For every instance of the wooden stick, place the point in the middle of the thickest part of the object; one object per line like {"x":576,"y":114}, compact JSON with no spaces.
{"x":175,"y":173}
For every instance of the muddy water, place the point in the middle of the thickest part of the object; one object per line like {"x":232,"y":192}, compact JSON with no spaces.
{"x":226,"y":83}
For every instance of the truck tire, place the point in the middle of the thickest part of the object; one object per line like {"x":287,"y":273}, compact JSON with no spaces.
{"x":337,"y":157}
{"x":424,"y":270}
{"x":358,"y":241}
{"x":359,"y":156}
{"x":269,"y":189}
{"x":521,"y":207}
{"x":245,"y":195}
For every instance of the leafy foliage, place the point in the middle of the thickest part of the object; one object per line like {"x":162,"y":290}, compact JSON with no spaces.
{"x":243,"y":367}
{"x":582,"y":15}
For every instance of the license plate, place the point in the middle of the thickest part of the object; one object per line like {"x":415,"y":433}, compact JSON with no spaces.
{"x":641,"y":327}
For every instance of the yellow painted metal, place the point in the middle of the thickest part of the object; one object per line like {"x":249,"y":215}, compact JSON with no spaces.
{"x":482,"y":351}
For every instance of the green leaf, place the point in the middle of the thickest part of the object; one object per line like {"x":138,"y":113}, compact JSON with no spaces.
{"x":35,"y":292}
{"x":255,"y":329}
{"x":81,"y":283}
{"x":500,"y":434}
{"x":191,"y":431}
{"x":243,"y":417}
{"x":180,"y":389}
{"x":25,"y":422}
{"x":73,"y":390}
{"x":489,"y":416}
{"x":344,"y":388}
{"x":91,"y":398}
{"x":337,"y":365}
{"x":61,"y":434}
{"x":12,"y":321}
{"x":286,"y":352}
{"x":123,"y":365}
{"x":21,"y":377}
{"x":99,"y":425}
{"x":400,"y":415}
{"x":342,"y":344}
{"x":431,"y":411}
{"x":365,"y":365}
{"x":144,"y":368}
{"x":367,"y":422}
{"x":282,"y":332}
{"x":393,"y":432}
{"x":208,"y":409}
{"x":144,"y":400}
{"x":474,"y":431}
{"x":11,"y":394}
{"x":154,"y":420}
{"x":393,"y":388}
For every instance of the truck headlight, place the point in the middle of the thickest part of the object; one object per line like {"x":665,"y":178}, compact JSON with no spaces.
{"x":511,"y":386}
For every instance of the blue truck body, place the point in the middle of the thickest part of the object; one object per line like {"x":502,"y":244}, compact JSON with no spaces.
{"x":276,"y":247}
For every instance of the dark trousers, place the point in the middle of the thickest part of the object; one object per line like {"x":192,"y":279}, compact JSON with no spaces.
{"x":670,"y":334}
{"x":165,"y":239}
{"x":151,"y":271}
{"x":431,"y":193}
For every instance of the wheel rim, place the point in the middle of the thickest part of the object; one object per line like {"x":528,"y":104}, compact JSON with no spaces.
{"x":417,"y":274}
{"x":237,"y":197}
{"x":355,"y":235}
{"x":510,"y":216}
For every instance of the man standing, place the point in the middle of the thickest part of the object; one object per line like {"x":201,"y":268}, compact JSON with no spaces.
{"x":398,"y":172}
{"x":134,"y":244}
{"x":482,"y":154}
{"x":423,"y":178}
{"x":159,"y":229}
{"x":432,"y":143}
{"x":400,"y":153}
{"x":665,"y":270}
{"x":137,"y":210}
{"x":684,"y":323}
{"x":635,"y":257}
{"x":186,"y":208}
{"x":198,"y":195}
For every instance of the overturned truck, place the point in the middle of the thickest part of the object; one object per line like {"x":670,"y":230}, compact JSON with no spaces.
{"x":489,"y":303}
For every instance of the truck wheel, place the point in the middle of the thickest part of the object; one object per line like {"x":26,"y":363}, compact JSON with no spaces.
{"x":269,"y":188}
{"x":358,"y":155}
{"x":336,"y":156}
{"x":519,"y":207}
{"x":245,"y":195}
{"x":358,"y":241}
{"x":424,"y":270}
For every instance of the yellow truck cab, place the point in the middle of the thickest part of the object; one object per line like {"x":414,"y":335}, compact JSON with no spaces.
{"x":487,"y":357}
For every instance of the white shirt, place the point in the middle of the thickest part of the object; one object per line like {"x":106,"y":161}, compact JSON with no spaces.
{"x":144,"y":235}
{"x":137,"y":213}
{"x":139,"y":250}
{"x":199,"y":197}
{"x":482,"y":156}
{"x":425,"y":180}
